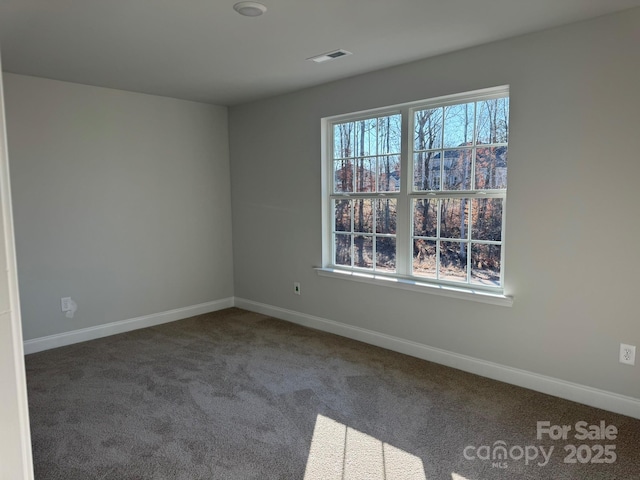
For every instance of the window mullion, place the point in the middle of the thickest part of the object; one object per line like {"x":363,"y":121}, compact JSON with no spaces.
{"x":502,"y":240}
{"x":469,"y":227}
{"x":374,"y":227}
{"x":438,"y":219}
{"x":403,"y":216}
{"x":352,"y":204}
{"x":473,"y":143}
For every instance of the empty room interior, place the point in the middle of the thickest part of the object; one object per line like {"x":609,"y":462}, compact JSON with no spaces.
{"x":334,"y":240}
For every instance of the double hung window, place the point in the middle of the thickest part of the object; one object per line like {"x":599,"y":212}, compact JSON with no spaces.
{"x":418,"y":192}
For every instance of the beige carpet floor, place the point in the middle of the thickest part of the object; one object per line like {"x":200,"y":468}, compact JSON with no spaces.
{"x":235,"y":395}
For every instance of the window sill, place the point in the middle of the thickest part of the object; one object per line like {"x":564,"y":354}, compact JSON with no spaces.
{"x":416,"y":286}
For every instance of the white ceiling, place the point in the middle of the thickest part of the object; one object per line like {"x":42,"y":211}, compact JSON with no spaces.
{"x":203,"y":50}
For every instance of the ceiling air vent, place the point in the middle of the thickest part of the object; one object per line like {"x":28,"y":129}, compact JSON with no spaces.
{"x":325,"y":57}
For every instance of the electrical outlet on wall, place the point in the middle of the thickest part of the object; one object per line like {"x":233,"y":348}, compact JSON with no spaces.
{"x":296,"y":288}
{"x":627,"y":354}
{"x":65,"y":303}
{"x":68,"y":306}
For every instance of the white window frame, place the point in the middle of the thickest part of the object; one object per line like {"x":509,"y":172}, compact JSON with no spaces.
{"x":405,"y":198}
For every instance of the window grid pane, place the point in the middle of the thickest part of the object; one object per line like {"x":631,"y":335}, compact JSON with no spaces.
{"x":461,"y":147}
{"x":366,"y":155}
{"x":446,"y":248}
{"x":364,"y":233}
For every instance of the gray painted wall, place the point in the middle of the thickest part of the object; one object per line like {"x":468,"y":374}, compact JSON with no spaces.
{"x":573,"y":177}
{"x":121,"y":201}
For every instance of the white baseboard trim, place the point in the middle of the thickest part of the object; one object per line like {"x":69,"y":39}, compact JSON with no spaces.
{"x":593,"y":397}
{"x":99,"y":331}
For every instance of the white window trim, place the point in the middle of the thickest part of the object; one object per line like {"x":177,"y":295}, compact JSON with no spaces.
{"x":477,"y":293}
{"x":413,"y":285}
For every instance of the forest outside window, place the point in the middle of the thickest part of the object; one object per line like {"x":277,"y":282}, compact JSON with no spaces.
{"x":418,"y":192}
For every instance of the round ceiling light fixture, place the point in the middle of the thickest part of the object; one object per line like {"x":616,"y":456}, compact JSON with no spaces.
{"x":250,"y":9}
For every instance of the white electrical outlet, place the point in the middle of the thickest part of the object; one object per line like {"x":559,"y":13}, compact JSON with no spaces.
{"x":68,"y":306}
{"x":627,"y":354}
{"x":296,"y":288}
{"x":65,"y":303}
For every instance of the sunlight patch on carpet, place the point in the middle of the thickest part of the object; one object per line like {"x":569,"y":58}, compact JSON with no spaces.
{"x":339,"y":452}
{"x":455,"y":476}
